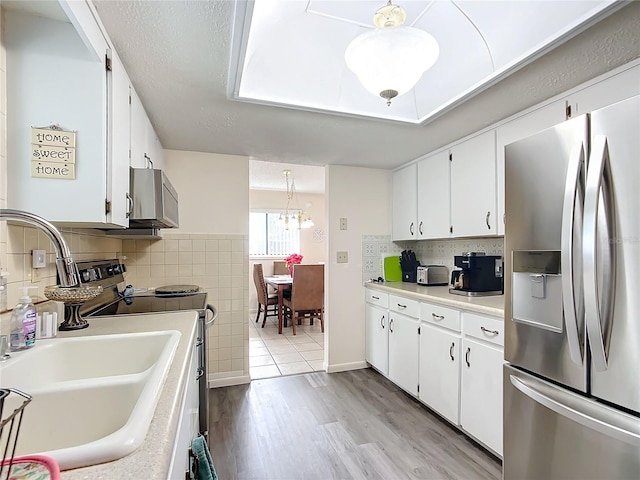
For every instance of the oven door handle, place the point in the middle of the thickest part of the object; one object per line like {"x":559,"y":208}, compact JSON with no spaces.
{"x":214,"y":315}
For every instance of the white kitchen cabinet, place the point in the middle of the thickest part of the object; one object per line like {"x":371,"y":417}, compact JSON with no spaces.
{"x":146,"y":149}
{"x":473,"y":186}
{"x":377,"y":347}
{"x":482,"y":358}
{"x":404,"y":203}
{"x":434,"y":194}
{"x":404,"y":344}
{"x":80,"y":93}
{"x":187,"y":423}
{"x":440,"y":371}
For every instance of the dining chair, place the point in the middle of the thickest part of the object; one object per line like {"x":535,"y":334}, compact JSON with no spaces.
{"x":307,"y":295}
{"x":265,"y":300}
{"x":280,"y":267}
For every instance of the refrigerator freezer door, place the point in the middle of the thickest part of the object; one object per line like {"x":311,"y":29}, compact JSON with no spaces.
{"x":618,"y":383}
{"x":553,"y":433}
{"x":544,"y":180}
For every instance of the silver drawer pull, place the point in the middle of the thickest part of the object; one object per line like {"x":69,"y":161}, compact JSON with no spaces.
{"x":493,"y":332}
{"x":451,"y":351}
{"x":466,"y":356}
{"x":375,"y":298}
{"x":437,"y":317}
{"x":402,"y":306}
{"x":382,"y":321}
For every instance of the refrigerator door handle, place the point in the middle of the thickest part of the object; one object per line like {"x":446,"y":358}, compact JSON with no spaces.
{"x":598,"y":219}
{"x":571,"y":312}
{"x":615,"y":426}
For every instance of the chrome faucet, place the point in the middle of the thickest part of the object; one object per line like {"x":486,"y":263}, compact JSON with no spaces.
{"x":67,"y":269}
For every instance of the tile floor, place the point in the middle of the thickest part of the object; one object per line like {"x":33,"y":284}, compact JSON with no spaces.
{"x":274,"y":355}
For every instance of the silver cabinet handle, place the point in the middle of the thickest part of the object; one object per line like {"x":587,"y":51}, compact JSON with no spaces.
{"x":486,"y":330}
{"x":487,"y":220}
{"x":401,"y":306}
{"x":420,"y":228}
{"x":411,"y":228}
{"x":619,"y":428}
{"x":382,"y":321}
{"x":391,"y":325}
{"x":598,"y":299}
{"x":573,"y":307}
{"x":451,"y":351}
{"x":130,"y":202}
{"x":375,"y":298}
{"x":466,"y":356}
{"x":437,"y":317}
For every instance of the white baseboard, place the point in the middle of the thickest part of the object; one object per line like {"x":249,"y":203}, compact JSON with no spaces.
{"x":343,"y":367}
{"x":227,"y":379}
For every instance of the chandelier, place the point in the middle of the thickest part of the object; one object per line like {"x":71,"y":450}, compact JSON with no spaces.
{"x":295,"y":218}
{"x":390,"y":59}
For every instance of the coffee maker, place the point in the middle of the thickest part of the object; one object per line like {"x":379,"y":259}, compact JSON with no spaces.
{"x":479,"y":275}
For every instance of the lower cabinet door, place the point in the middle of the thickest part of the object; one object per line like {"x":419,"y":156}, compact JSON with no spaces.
{"x":440,"y":371}
{"x":481,"y":393}
{"x":376,"y":348}
{"x":403,"y":351}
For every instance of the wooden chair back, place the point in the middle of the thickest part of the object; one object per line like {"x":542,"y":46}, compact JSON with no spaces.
{"x":280,"y":267}
{"x":261,"y":286}
{"x":307,"y":290}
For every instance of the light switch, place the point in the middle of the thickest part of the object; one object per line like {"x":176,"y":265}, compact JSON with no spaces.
{"x":39,"y":258}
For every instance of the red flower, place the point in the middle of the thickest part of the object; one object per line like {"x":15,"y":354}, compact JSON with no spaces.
{"x":293,"y":259}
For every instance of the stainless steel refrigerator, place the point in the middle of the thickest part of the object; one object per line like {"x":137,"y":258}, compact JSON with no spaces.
{"x":572,"y":299}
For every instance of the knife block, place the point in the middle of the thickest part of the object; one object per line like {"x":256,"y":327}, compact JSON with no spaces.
{"x":410,"y":276}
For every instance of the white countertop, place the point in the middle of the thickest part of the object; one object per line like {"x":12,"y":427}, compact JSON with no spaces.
{"x":152,"y":459}
{"x":491,"y":305}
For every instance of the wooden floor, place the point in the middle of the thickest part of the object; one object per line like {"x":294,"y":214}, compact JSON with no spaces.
{"x":347,"y":425}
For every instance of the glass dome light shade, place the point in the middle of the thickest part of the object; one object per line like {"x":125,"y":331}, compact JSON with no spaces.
{"x":391,"y":58}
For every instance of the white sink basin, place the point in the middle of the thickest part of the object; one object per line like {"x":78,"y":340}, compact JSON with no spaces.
{"x":93,"y":397}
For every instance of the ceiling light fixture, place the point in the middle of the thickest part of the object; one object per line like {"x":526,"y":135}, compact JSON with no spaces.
{"x":297,"y":215}
{"x":390,"y":59}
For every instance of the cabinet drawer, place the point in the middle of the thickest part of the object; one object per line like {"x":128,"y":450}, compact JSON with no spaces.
{"x":406,"y":306}
{"x":377,"y":298}
{"x":441,"y":316}
{"x":489,"y":329}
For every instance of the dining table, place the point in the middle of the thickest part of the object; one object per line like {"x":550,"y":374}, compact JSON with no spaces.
{"x":281,"y":283}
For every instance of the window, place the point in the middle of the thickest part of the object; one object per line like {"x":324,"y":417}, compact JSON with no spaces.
{"x":269,"y":238}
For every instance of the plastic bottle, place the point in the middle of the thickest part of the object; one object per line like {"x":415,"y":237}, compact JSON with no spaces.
{"x":23,"y":322}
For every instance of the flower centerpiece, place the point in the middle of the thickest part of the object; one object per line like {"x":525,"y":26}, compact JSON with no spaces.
{"x":292,"y":260}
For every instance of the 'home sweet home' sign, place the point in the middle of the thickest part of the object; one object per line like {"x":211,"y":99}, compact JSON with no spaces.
{"x":53,"y":153}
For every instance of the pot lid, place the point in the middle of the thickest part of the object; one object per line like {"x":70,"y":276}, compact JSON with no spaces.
{"x":173,"y":289}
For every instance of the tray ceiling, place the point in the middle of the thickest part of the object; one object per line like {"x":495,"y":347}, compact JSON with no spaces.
{"x":291,"y":53}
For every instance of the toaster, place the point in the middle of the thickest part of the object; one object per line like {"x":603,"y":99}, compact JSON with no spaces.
{"x":433,"y":275}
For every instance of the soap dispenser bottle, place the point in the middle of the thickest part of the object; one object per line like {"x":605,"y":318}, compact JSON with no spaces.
{"x":23,"y":322}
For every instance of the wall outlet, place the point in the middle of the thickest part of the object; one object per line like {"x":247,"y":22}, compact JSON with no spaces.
{"x":39,"y":258}
{"x":342,"y":257}
{"x":343,"y":223}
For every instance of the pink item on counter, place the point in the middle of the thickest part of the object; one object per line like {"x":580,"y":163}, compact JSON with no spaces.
{"x":31,"y":467}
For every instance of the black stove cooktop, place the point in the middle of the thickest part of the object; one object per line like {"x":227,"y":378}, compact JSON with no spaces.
{"x":150,"y":303}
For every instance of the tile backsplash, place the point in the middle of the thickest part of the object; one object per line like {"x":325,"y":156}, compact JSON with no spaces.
{"x":428,"y":252}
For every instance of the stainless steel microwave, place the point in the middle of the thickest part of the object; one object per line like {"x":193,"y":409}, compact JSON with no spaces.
{"x":154,"y":200}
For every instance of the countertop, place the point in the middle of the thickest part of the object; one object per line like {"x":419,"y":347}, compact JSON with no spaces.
{"x":491,"y":305}
{"x":153,"y":458}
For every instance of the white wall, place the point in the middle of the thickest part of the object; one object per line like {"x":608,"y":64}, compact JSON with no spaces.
{"x":218,"y":191}
{"x":366,"y":205}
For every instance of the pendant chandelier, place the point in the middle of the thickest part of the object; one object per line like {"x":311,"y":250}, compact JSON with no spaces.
{"x":390,"y":59}
{"x":293,"y":217}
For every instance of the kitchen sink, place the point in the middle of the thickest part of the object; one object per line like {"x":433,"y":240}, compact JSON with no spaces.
{"x":93,"y":397}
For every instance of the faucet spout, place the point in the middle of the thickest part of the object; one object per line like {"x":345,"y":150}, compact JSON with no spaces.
{"x":67,"y":269}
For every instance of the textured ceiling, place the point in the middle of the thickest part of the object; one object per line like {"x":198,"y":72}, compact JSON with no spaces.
{"x":177,"y":56}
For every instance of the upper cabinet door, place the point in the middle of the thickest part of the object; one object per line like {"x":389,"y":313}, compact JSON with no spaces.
{"x":434,"y":192}
{"x":405,"y":207}
{"x":473,"y":186}
{"x":118,"y":166}
{"x":139,"y":133}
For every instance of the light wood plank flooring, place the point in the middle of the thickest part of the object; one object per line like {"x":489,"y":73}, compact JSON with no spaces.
{"x":349,"y":425}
